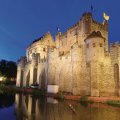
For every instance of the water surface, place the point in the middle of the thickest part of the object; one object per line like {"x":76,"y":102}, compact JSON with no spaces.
{"x":26,"y":107}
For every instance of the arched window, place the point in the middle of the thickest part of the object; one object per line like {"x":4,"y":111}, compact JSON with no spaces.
{"x":44,"y":49}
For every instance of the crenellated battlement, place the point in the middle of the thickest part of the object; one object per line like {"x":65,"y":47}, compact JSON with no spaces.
{"x":102,"y":26}
{"x":83,"y":28}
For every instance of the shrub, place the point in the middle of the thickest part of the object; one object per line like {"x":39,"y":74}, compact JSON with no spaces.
{"x":85,"y":99}
{"x":114,"y":102}
{"x":2,"y":88}
{"x":60,"y":96}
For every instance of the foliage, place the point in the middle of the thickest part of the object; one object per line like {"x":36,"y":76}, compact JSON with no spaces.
{"x":85,"y":99}
{"x":8,"y":69}
{"x":2,"y":88}
{"x":60,"y":96}
{"x":8,"y":90}
{"x":114,"y":102}
{"x":8,"y":82}
{"x":0,"y":74}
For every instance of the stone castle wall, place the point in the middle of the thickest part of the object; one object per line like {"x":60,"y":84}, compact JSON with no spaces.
{"x":79,"y":61}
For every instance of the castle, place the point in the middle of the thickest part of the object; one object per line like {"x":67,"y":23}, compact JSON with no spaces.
{"x":80,"y":61}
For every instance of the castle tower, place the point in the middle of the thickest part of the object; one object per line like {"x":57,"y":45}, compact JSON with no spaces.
{"x":94,"y":57}
{"x":115,"y":58}
{"x":20,"y":72}
{"x":86,"y":23}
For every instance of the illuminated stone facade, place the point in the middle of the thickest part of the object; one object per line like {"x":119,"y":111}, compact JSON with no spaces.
{"x":78,"y":61}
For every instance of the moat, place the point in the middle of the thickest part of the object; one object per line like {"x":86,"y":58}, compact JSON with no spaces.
{"x":27,"y":107}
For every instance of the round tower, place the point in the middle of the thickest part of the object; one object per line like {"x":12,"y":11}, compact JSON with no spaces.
{"x":95,"y":47}
{"x":94,"y":57}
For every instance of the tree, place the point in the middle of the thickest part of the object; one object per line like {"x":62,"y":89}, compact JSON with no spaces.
{"x":0,"y":74}
{"x":8,"y":69}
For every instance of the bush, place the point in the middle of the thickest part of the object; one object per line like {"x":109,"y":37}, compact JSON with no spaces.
{"x":10,"y":90}
{"x":9,"y":82}
{"x":114,"y":103}
{"x":60,"y":96}
{"x":85,"y":99}
{"x":2,"y":88}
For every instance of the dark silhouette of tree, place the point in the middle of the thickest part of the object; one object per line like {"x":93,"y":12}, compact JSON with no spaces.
{"x":8,"y":69}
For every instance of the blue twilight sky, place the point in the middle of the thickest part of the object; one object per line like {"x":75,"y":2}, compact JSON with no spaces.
{"x":22,"y":21}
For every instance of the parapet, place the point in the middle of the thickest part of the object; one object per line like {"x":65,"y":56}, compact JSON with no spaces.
{"x":115,"y":44}
{"x":42,"y":38}
{"x":87,"y":15}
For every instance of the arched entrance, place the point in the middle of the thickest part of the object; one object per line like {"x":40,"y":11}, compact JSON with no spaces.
{"x":35,"y":76}
{"x":28,"y":79}
{"x":21,"y":82}
{"x":43,"y":79}
{"x":116,"y":78}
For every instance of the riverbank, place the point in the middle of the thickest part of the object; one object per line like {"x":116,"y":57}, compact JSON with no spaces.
{"x":94,"y":99}
{"x":39,"y":92}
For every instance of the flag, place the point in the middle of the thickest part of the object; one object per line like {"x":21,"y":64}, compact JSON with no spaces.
{"x":58,"y":29}
{"x":106,"y":17}
{"x":92,"y":8}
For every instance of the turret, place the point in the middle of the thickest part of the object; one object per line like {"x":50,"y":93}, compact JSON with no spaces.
{"x":95,"y":47}
{"x":86,"y":22}
{"x":94,"y":57}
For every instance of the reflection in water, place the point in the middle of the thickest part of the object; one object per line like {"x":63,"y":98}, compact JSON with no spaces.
{"x":6,"y":101}
{"x":31,"y":108}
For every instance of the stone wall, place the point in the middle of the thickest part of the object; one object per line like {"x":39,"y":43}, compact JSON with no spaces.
{"x":115,"y":59}
{"x":78,"y":61}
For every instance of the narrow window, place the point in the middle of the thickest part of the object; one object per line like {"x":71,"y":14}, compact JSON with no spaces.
{"x":93,"y":44}
{"x":101,"y":45}
{"x":43,"y":49}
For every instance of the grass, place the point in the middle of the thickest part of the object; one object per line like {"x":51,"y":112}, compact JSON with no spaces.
{"x":12,"y":89}
{"x":114,"y":103}
{"x":9,"y":89}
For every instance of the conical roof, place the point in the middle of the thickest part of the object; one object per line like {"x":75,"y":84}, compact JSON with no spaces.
{"x":95,"y":34}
